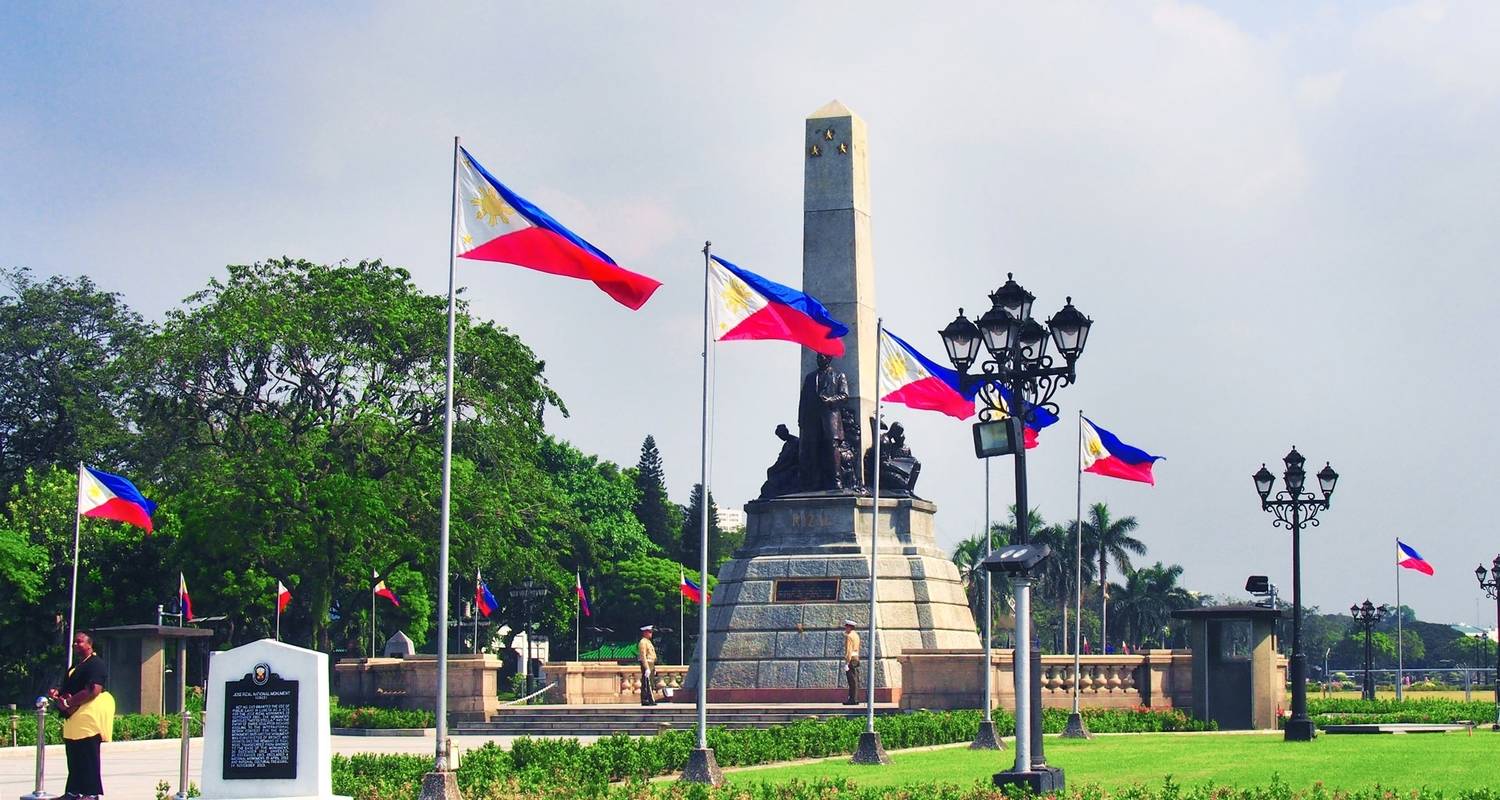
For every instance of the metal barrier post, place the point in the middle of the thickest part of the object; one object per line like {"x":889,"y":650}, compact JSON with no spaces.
{"x":41,"y":753}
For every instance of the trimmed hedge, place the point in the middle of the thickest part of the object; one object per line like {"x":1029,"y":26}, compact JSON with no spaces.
{"x":128,"y":727}
{"x":542,"y":767}
{"x":364,"y":717}
{"x":1387,"y":712}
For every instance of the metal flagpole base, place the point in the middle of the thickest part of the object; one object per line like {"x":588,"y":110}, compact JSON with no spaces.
{"x":703,"y":768}
{"x":870,"y":750}
{"x":1039,"y":780}
{"x":1076,"y":729}
{"x":987,"y":738}
{"x":440,"y":786}
{"x":1300,"y":730}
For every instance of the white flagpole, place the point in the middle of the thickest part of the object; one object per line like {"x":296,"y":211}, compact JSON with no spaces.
{"x":373,"y":576}
{"x":1400,"y":651}
{"x":874,"y":535}
{"x":441,"y":760}
{"x":478,"y":581}
{"x":577,"y":616}
{"x":681,"y":620}
{"x":1078,"y":568}
{"x":278,"y":611}
{"x":73,"y":598}
{"x":989,"y":609}
{"x":703,"y":522}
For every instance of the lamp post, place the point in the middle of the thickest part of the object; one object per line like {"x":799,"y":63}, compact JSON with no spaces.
{"x":1366,"y":616}
{"x":1294,"y":509}
{"x":1020,"y":377}
{"x":1491,"y":587}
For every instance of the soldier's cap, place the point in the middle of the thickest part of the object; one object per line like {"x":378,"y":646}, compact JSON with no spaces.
{"x":849,"y":623}
{"x":645,"y":628}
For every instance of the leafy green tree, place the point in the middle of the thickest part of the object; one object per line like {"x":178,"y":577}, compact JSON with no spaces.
{"x":692,"y":530}
{"x":62,"y":373}
{"x":296,"y":410}
{"x":1108,"y":539}
{"x":658,"y":514}
{"x":123,"y":574}
{"x":645,"y":591}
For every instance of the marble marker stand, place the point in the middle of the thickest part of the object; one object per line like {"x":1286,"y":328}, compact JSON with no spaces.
{"x":266,"y":729}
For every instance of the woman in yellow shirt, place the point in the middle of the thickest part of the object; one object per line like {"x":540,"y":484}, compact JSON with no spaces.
{"x":89,"y":719}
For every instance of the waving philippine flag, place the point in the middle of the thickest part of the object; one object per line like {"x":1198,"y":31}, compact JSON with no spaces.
{"x":384,"y":591}
{"x":496,"y":224}
{"x":108,"y":496}
{"x":1411,"y":559}
{"x":1104,"y":454}
{"x":283,"y":596}
{"x":689,"y":589}
{"x":483,"y":599}
{"x":744,"y":305}
{"x":583,"y":598}
{"x":913,"y":380}
{"x":182,"y":597}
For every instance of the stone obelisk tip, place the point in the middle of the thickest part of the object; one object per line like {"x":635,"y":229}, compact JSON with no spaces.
{"x":833,"y":109}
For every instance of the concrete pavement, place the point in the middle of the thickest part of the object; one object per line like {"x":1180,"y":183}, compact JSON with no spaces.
{"x":133,"y":769}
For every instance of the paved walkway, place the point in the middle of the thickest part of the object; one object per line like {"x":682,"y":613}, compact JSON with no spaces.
{"x":132,"y":769}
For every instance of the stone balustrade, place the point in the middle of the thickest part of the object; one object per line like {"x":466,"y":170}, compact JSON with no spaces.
{"x":940,"y":679}
{"x":590,"y":682}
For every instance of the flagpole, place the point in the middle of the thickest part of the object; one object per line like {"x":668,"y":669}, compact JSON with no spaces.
{"x":373,"y":575}
{"x":870,"y":751}
{"x":278,"y":611}
{"x":1400,"y":654}
{"x":702,"y":767}
{"x":440,"y":763}
{"x":1075,"y":728}
{"x":577,"y":616}
{"x":73,"y":593}
{"x":681,"y":620}
{"x":478,"y":582}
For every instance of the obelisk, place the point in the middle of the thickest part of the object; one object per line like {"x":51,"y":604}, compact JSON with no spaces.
{"x":838,"y":263}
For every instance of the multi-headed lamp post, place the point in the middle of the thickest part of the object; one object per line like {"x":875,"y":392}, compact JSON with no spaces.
{"x":1294,"y":509}
{"x":1365,"y":616}
{"x":1020,"y":377}
{"x":1491,"y":587}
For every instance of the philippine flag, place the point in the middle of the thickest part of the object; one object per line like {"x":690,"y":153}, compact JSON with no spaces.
{"x":496,"y":224}
{"x":384,"y":591}
{"x":911,"y":379}
{"x":1104,"y":454}
{"x":283,"y":597}
{"x":483,"y":600}
{"x":583,"y":598}
{"x":1040,"y":418}
{"x":690,"y":590}
{"x":108,"y":496}
{"x":743,"y":305}
{"x":1411,"y":559}
{"x":182,"y":597}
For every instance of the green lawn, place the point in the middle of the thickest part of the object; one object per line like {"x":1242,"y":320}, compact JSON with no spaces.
{"x":1440,"y":761}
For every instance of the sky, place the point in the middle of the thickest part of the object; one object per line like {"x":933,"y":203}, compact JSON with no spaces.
{"x":1280,"y":216}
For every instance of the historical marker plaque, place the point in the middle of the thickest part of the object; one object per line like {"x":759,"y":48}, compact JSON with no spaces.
{"x":806,"y":590}
{"x":260,"y":726}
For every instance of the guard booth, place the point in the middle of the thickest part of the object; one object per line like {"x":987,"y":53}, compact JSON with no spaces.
{"x":1239,"y":680}
{"x":137,"y":658}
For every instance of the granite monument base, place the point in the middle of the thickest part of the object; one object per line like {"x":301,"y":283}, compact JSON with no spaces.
{"x":775,"y":623}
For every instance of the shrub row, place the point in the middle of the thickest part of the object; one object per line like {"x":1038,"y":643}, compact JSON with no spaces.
{"x":1426,"y":711}
{"x":128,"y":727}
{"x":346,"y":717}
{"x":540,"y":766}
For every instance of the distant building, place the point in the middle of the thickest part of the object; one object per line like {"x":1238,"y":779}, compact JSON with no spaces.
{"x":731,"y":518}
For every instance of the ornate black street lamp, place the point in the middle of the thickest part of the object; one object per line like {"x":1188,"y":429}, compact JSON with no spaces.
{"x":1490,"y":588}
{"x":1295,"y":508}
{"x":1366,"y":616}
{"x":1020,"y":377}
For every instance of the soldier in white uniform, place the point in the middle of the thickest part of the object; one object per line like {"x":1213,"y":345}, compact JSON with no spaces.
{"x":648,"y":664}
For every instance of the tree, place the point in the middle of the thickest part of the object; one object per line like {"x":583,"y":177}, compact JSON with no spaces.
{"x":1106,"y":539}
{"x":692,"y":530}
{"x":1146,"y":600}
{"x":296,"y":410}
{"x":644,"y":591}
{"x":662,"y":521}
{"x":968,"y":555}
{"x":63,"y":348}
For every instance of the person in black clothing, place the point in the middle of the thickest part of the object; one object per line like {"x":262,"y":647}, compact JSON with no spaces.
{"x":88,"y":713}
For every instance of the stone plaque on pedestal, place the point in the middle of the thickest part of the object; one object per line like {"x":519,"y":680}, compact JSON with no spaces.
{"x":265,"y":728}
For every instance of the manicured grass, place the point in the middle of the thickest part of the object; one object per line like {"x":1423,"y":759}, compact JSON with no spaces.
{"x":1487,"y":693}
{"x":1403,"y":762}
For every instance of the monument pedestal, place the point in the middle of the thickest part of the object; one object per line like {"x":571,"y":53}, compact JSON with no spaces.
{"x":775,"y":623}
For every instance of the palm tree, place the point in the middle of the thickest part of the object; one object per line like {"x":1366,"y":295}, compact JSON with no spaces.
{"x":1106,"y":539}
{"x":1060,"y":578}
{"x":968,"y":556}
{"x":1147,"y":599}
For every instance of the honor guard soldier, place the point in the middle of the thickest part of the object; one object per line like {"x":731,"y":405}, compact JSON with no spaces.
{"x":851,"y":661}
{"x":648,"y":664}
